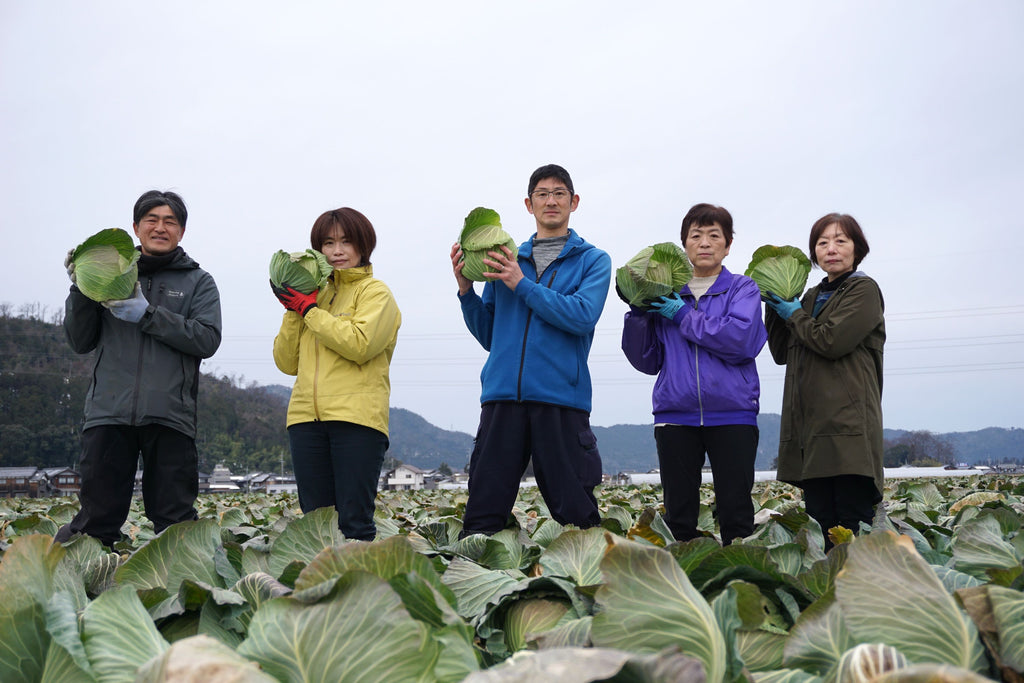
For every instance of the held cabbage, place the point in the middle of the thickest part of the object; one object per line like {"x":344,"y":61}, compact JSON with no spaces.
{"x":657,"y":270}
{"x":303,"y":271}
{"x":780,"y":270}
{"x":106,"y":265}
{"x":481,"y":233}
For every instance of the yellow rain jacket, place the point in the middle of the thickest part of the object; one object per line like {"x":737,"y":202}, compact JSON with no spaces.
{"x":341,"y":351}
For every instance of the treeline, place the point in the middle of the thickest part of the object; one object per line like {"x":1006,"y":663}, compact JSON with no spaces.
{"x":42,"y":397}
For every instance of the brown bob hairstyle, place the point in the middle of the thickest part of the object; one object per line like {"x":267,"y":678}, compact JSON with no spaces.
{"x":850,"y":227}
{"x":703,"y":215}
{"x":356,"y":228}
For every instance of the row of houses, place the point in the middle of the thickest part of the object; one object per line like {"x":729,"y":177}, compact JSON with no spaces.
{"x":38,"y":482}
{"x":46,"y":482}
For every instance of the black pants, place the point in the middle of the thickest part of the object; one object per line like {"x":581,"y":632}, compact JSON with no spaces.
{"x":338,"y":464}
{"x":731,"y":449}
{"x":844,"y":500}
{"x":566,"y":463}
{"x":109,"y":461}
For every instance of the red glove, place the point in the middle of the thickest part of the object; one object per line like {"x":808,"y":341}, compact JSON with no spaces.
{"x":294,"y":300}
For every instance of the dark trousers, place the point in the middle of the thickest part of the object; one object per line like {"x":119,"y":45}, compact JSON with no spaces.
{"x":844,"y":500}
{"x":338,"y":464}
{"x":566,"y":463}
{"x":731,"y":449}
{"x":109,"y":461}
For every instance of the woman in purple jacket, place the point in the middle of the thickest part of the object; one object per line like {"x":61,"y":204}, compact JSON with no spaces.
{"x":701,"y":343}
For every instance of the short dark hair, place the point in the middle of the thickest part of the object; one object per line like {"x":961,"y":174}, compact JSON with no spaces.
{"x":850,"y":227}
{"x":701,"y":215}
{"x":355,"y":226}
{"x":550,"y":171}
{"x":154,"y":198}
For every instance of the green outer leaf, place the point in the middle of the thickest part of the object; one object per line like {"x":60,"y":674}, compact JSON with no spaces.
{"x":760,"y":650}
{"x":978,"y":545}
{"x":476,"y":587}
{"x":888,"y":593}
{"x":727,"y":612}
{"x":781,"y":270}
{"x":119,"y":635}
{"x":388,"y":558}
{"x":654,"y":271}
{"x":359,"y":632}
{"x":1008,"y":610}
{"x":259,"y":587}
{"x":482,"y":232}
{"x":819,"y":637}
{"x":648,"y":604}
{"x":574,"y":633}
{"x":26,"y":583}
{"x":106,"y":265}
{"x":305,"y":538}
{"x":304,"y":271}
{"x":59,"y":667}
{"x":62,"y":624}
{"x":184,"y":551}
{"x":576,"y":554}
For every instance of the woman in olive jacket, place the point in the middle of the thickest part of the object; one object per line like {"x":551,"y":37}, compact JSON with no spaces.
{"x":338,"y":342}
{"x":831,"y":343}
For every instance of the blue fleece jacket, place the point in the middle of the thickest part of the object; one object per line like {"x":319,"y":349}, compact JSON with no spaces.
{"x":539,"y":335}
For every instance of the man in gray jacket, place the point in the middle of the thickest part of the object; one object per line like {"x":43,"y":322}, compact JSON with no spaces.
{"x":142,"y":399}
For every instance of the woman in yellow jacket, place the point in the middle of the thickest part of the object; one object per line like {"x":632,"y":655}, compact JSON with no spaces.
{"x":338,"y":342}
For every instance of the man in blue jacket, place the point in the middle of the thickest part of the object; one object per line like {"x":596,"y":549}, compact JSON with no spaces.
{"x":143,"y":395}
{"x":536,"y":318}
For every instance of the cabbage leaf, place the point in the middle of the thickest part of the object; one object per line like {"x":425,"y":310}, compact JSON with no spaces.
{"x":481,"y":233}
{"x":106,"y":265}
{"x":782,"y":271}
{"x":655,"y":271}
{"x":303,"y":271}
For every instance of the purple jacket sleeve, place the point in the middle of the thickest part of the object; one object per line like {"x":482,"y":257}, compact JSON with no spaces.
{"x":640,"y":342}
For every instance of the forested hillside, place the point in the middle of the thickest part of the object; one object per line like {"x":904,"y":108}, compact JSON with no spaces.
{"x":42,"y":395}
{"x":43,"y":385}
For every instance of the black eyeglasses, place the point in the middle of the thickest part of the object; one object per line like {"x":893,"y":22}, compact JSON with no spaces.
{"x":542,"y":195}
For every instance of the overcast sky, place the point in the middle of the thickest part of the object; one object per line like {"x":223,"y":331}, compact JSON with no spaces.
{"x":908,"y":115}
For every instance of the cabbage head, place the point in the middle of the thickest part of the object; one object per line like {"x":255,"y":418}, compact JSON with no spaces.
{"x":303,"y":271}
{"x":780,"y":270}
{"x":481,"y":233}
{"x":657,"y":270}
{"x":106,"y":265}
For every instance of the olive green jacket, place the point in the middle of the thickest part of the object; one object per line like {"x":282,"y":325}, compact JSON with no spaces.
{"x":832,"y":401}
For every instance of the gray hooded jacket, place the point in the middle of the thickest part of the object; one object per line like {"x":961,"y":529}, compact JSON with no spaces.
{"x":148,"y":372}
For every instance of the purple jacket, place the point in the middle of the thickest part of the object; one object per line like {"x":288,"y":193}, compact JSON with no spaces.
{"x":704,"y":357}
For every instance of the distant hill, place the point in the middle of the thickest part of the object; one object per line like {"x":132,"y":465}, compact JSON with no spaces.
{"x":42,"y":391}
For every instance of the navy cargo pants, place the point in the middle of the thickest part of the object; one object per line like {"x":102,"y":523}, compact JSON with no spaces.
{"x":566,"y":463}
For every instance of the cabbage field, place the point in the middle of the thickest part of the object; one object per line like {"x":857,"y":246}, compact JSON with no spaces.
{"x":254,"y":591}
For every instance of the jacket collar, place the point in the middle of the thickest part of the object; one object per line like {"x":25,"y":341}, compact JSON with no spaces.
{"x":721,"y":284}
{"x":346,"y":276}
{"x":574,"y":242}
